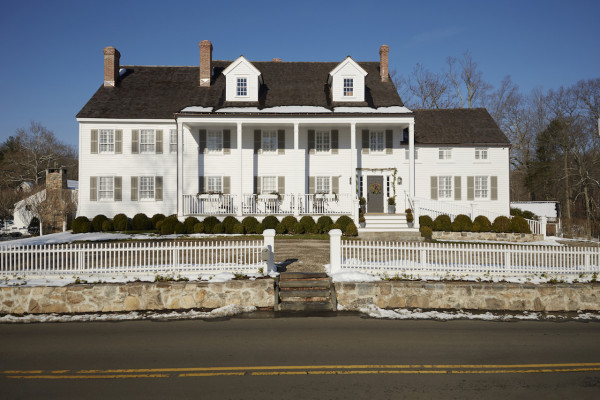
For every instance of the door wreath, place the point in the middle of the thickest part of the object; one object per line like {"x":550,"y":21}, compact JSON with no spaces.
{"x":375,"y":188}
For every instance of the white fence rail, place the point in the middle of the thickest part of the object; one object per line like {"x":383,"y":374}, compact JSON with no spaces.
{"x":440,"y":259}
{"x":138,"y":258}
{"x":209,"y":204}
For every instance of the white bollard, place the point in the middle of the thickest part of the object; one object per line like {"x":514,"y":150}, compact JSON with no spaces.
{"x":335,"y":251}
{"x":544,"y":221}
{"x":269,"y":242}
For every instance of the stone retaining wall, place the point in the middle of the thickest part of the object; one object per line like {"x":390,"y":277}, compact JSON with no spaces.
{"x":501,"y":237}
{"x":135,"y":296}
{"x":470,"y":296}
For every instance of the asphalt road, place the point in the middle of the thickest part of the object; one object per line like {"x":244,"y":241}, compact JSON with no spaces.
{"x":343,"y":357}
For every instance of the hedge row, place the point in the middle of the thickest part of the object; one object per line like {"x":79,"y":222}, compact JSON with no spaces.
{"x":463,"y":223}
{"x":230,"y":225}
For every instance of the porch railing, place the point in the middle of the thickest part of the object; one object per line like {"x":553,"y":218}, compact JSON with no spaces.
{"x":209,"y":204}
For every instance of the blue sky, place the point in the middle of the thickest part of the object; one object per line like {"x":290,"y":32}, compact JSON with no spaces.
{"x":52,"y":50}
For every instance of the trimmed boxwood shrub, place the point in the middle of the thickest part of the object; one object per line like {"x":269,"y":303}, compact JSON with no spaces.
{"x":323,"y":224}
{"x":209,"y":223}
{"x":280,"y":229}
{"x":189,"y":224}
{"x":260,"y":228}
{"x":168,"y":225}
{"x":159,"y":225}
{"x":250,"y":224}
{"x":238,"y":229}
{"x":351,"y":230}
{"x":462,"y":223}
{"x":501,"y":225}
{"x":179,"y":228}
{"x":155,"y":218}
{"x":335,"y":226}
{"x":308,"y":223}
{"x":199,"y":227}
{"x":107,"y":226}
{"x":289,"y":223}
{"x":442,"y":223}
{"x":425,"y":220}
{"x":519,"y":225}
{"x":121,"y":222}
{"x":529,"y":215}
{"x":481,"y":224}
{"x":218,"y":229}
{"x":298,"y":228}
{"x":426,"y":232}
{"x":343,"y":222}
{"x":97,"y":222}
{"x":228,"y":223}
{"x":270,"y":222}
{"x":140,"y":222}
{"x":81,"y":225}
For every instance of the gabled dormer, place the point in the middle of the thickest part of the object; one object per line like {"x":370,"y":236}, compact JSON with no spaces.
{"x":347,"y":82}
{"x":243,"y":81}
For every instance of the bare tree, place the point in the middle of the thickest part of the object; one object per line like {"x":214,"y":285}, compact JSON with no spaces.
{"x":425,"y":89}
{"x":467,"y":80}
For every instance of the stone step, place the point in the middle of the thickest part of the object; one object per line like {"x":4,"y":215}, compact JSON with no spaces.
{"x":304,"y":299}
{"x":289,"y":292}
{"x":305,"y":283}
{"x":302,"y":275}
{"x":306,"y":306}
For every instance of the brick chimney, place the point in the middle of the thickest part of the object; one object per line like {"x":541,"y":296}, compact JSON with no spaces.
{"x":383,"y":63}
{"x":276,"y":60}
{"x":111,"y":66}
{"x":56,"y":179}
{"x":205,"y":62}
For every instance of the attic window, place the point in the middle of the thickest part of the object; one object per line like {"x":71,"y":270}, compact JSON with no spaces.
{"x":348,"y":87}
{"x":241,"y":87}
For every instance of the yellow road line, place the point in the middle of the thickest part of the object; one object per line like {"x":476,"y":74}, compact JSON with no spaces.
{"x":88,"y":376}
{"x":212,"y":374}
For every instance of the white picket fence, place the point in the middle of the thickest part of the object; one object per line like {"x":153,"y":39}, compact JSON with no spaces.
{"x":441,"y":259}
{"x":164,"y":258}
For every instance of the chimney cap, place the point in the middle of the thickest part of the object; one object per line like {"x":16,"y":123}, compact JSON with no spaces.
{"x":384,"y":47}
{"x":205,"y":43}
{"x":111,"y":51}
{"x":277,"y":60}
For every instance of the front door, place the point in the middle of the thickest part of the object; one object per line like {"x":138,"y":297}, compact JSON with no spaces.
{"x":375,"y":194}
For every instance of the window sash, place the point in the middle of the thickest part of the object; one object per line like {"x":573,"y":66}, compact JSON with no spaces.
{"x":269,"y":141}
{"x":214,"y":141}
{"x":377,"y":141}
{"x":106,"y":141}
{"x":214,"y":184}
{"x":407,"y":154}
{"x":323,"y":141}
{"x":481,"y":187}
{"x":146,"y":188}
{"x":445,"y":154}
{"x":241,"y":87}
{"x":348,"y":87}
{"x":106,"y":188}
{"x":445,"y":187}
{"x":481,"y":154}
{"x":147,"y":141}
{"x":323,"y":184}
{"x":268,"y":184}
{"x":173,"y":140}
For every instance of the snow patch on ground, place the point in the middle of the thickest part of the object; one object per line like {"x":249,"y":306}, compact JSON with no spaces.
{"x":223,"y":312}
{"x":352,"y":276}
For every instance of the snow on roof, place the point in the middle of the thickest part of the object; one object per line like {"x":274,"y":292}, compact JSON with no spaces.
{"x":540,"y":208}
{"x":197,"y":109}
{"x":276,"y":110}
{"x":370,"y":110}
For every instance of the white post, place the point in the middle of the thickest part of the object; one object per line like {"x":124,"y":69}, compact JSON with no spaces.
{"x":411,"y":159}
{"x":180,"y":179}
{"x":239,"y":201}
{"x":353,"y":178}
{"x":300,"y":180}
{"x":269,"y":242}
{"x":335,"y":251}
{"x":544,"y":221}
{"x":416,"y":213}
{"x":65,"y":224}
{"x":473,"y":212}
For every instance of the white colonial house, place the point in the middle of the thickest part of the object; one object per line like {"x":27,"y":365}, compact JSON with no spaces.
{"x":280,"y":138}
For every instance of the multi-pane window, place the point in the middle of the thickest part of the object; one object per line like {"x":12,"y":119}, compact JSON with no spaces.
{"x":269,"y":141}
{"x":445,"y":187}
{"x":173,"y":141}
{"x":146,"y":189}
{"x":147,"y":141}
{"x":323,"y":141}
{"x":241,"y":88}
{"x":445,"y":153}
{"x":214,"y":184}
{"x":481,"y":154}
{"x":105,"y":188}
{"x":107,"y":141}
{"x":407,"y":154}
{"x":323,"y":184}
{"x":269,"y":184}
{"x":481,"y":187}
{"x":389,"y":185}
{"x":214,"y":141}
{"x":360,"y":186}
{"x":376,"y":141}
{"x":348,"y":87}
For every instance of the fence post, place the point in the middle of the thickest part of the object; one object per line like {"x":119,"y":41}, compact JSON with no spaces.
{"x":335,"y":251}
{"x":269,"y":243}
{"x":544,"y":221}
{"x":473,"y":211}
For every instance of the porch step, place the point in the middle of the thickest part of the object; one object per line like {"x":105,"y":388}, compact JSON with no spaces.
{"x":385,"y":223}
{"x":305,"y":291}
{"x":412,"y":235}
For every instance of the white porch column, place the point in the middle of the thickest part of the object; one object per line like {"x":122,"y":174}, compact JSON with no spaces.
{"x":179,"y":169}
{"x":299,"y":186}
{"x":411,"y":159}
{"x":353,"y":164}
{"x":239,"y":200}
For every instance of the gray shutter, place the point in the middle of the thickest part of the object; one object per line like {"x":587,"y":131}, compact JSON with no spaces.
{"x":389,"y":141}
{"x":311,"y":141}
{"x":118,"y":194}
{"x":202,"y":141}
{"x":434,"y":188}
{"x":311,"y":185}
{"x":119,"y":141}
{"x":335,"y":184}
{"x":470,"y":188}
{"x":135,"y":141}
{"x":93,"y":188}
{"x":257,"y":186}
{"x":94,"y":138}
{"x":257,"y":138}
{"x":158,"y":188}
{"x":226,"y":185}
{"x":365,"y":141}
{"x":281,"y":184}
{"x":281,"y":141}
{"x":335,"y":138}
{"x":134,"y":188}
{"x":494,"y":188}
{"x":201,"y":184}
{"x":159,"y":141}
{"x":457,"y":188}
{"x":226,"y":141}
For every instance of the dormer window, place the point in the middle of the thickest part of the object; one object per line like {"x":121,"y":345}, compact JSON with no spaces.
{"x":348,"y":87}
{"x":241,"y":87}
